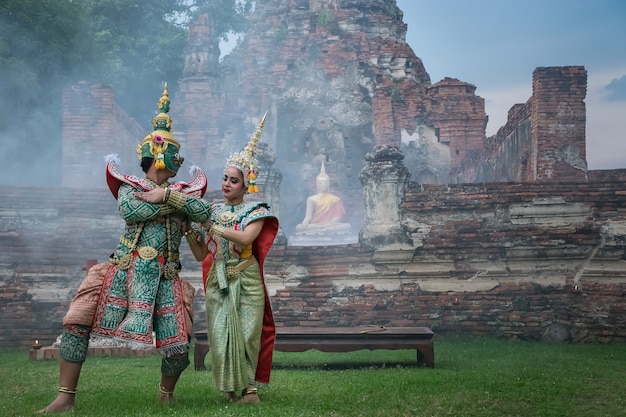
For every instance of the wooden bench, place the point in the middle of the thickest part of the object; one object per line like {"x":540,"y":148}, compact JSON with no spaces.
{"x":342,"y":339}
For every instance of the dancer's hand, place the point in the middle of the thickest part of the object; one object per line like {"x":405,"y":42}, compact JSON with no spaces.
{"x":156,"y":195}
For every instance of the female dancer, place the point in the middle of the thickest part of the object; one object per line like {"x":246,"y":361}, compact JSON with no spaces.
{"x":240,"y":324}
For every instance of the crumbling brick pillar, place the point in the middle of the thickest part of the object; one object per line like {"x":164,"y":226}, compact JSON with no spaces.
{"x":385,"y":178}
{"x":558,"y":120}
{"x":95,"y":126}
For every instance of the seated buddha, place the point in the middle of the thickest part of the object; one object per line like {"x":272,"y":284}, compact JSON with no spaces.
{"x":324,"y":211}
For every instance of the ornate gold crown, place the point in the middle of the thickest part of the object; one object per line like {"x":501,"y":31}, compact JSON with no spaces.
{"x":246,"y":162}
{"x":156,"y":142}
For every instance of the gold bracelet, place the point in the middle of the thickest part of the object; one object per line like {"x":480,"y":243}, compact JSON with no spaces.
{"x":176,"y":199}
{"x":191,"y":236}
{"x":216,"y":229}
{"x":166,"y":195}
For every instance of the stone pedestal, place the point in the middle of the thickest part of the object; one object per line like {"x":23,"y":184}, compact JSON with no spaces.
{"x":325,"y":238}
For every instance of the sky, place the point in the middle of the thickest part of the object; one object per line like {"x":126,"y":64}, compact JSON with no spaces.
{"x":497,"y":44}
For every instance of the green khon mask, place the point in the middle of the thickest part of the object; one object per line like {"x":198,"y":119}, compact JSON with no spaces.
{"x":160,"y":144}
{"x":165,"y":152}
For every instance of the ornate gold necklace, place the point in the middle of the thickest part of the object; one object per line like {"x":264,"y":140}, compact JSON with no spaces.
{"x":164,"y":185}
{"x":227,"y":217}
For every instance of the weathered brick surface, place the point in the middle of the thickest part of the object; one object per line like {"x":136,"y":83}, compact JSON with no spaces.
{"x":95,"y":126}
{"x":558,"y":123}
{"x":459,"y":114}
{"x":508,"y":258}
{"x":543,"y":139}
{"x":500,"y":258}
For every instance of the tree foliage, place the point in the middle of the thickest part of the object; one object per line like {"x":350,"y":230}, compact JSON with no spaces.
{"x":133,"y":46}
{"x":228,"y":16}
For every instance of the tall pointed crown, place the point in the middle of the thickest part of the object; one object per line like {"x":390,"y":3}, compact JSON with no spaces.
{"x":246,"y":162}
{"x":156,"y":143}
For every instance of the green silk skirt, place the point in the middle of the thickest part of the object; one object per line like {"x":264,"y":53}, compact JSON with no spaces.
{"x":234,"y":324}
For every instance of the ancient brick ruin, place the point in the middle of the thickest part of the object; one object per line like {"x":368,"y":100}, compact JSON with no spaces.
{"x":508,"y":235}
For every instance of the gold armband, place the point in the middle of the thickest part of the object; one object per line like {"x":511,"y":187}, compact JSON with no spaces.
{"x":216,"y":229}
{"x":176,"y":199}
{"x":191,"y":236}
{"x":164,"y":210}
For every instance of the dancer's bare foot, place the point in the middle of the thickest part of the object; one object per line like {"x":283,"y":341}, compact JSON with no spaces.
{"x":166,"y":397}
{"x":62,"y":403}
{"x":231,"y":396}
{"x":249,"y":395}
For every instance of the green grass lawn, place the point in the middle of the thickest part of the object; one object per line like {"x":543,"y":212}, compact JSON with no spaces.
{"x":472,"y":377}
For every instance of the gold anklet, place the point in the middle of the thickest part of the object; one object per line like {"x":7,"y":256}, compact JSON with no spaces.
{"x":66,"y":390}
{"x":250,"y":390}
{"x":165,"y":391}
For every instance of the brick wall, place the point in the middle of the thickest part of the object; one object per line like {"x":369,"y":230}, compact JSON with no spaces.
{"x":497,"y":258}
{"x":459,"y":114}
{"x":543,"y":139}
{"x":95,"y":126}
{"x":558,"y":124}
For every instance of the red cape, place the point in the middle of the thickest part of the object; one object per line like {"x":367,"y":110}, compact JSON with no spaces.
{"x":194,"y":188}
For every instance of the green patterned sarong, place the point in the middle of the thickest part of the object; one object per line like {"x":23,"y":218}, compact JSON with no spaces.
{"x":135,"y":303}
{"x":235,"y":322}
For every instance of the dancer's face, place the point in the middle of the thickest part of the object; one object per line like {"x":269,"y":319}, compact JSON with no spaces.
{"x":233,"y":187}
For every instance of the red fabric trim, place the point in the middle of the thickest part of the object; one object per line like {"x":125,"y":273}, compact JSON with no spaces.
{"x":194,"y":188}
{"x":207,"y":262}
{"x":261,"y":246}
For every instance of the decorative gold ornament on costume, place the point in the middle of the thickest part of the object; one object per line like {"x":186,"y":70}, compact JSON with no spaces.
{"x":126,"y":260}
{"x":226,"y":218}
{"x":170,"y":270}
{"x":171,"y":267}
{"x":147,"y":252}
{"x":161,"y":144}
{"x":245,"y":161}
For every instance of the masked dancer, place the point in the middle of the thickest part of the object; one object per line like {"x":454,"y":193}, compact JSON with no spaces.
{"x":138,"y":296}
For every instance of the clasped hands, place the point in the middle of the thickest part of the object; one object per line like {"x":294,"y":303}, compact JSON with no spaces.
{"x":156,"y":195}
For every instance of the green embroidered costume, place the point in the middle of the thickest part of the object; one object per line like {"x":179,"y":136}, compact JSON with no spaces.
{"x":146,"y":295}
{"x":138,"y":296}
{"x":240,"y":324}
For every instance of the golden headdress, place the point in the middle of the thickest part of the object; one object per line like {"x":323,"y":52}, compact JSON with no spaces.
{"x":161,"y":144}
{"x":246,"y":162}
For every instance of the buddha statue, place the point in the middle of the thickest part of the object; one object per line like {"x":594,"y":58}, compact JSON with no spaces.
{"x":324,"y":212}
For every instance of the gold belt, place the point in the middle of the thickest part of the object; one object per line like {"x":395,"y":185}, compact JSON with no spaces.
{"x":148,"y":253}
{"x":233,"y":271}
{"x":126,"y":242}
